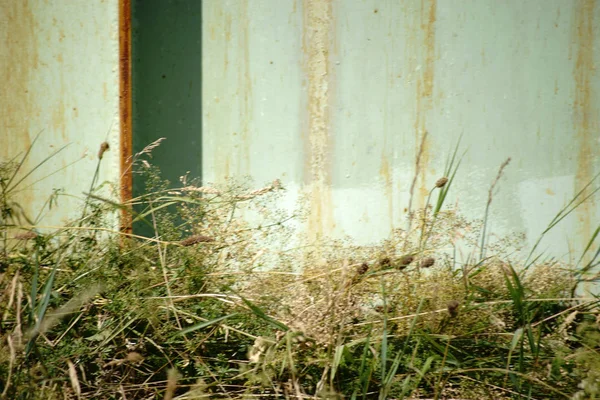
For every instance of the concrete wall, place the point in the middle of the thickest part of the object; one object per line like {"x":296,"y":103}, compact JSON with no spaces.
{"x":334,"y":96}
{"x":59,"y":75}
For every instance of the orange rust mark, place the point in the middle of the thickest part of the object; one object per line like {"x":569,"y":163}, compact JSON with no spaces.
{"x":125,"y":109}
{"x":386,"y":174}
{"x":585,"y":109}
{"x":317,"y":45}
{"x":246,"y":83}
{"x":18,"y":58}
{"x":58,"y":115}
{"x":18,"y":61}
{"x":424,"y":94}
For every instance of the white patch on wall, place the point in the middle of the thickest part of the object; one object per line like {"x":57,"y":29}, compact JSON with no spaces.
{"x":540,"y":201}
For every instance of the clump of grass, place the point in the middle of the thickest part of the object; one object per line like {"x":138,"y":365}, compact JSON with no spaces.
{"x":215,"y":303}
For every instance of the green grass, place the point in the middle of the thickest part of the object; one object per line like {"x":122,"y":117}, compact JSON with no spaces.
{"x":213,"y":306}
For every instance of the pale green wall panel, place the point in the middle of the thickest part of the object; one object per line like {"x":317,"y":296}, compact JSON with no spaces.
{"x":333,"y":98}
{"x":60,"y":76}
{"x":252,"y":90}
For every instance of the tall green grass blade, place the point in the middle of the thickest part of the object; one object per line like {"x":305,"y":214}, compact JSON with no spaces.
{"x":423,"y":371}
{"x":43,"y":307}
{"x":36,"y":167}
{"x":204,"y":324}
{"x":517,"y":336}
{"x":54,"y":172}
{"x":34,"y":284}
{"x":366,"y":368}
{"x":575,"y":202}
{"x":290,"y":356}
{"x":587,"y":248}
{"x":388,"y":379}
{"x":385,"y":333}
{"x":450,"y":172}
{"x":592,"y":262}
{"x":262,"y":315}
{"x":337,"y":359}
{"x":20,"y":164}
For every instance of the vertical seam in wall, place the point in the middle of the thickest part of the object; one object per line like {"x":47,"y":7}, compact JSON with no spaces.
{"x":126,"y":177}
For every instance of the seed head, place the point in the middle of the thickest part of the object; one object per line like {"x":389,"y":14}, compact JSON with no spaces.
{"x":192,"y":240}
{"x":453,"y":308}
{"x":103,"y":148}
{"x":440,"y":183}
{"x":362,"y":269}
{"x":427,"y":262}
{"x":26,"y":235}
{"x":405,"y":261}
{"x":385,"y":262}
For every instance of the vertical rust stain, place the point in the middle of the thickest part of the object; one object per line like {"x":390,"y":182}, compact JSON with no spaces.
{"x":585,"y":111}
{"x":246,"y":85}
{"x":18,"y":64}
{"x":386,"y":173}
{"x":17,"y":61}
{"x":424,"y":91}
{"x":125,"y":108}
{"x":317,"y":44}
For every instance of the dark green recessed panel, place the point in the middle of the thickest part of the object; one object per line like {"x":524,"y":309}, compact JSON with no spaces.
{"x":167,"y":87}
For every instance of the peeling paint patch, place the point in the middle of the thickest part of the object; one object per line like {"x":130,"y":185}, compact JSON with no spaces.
{"x":317,"y":38}
{"x":585,"y":110}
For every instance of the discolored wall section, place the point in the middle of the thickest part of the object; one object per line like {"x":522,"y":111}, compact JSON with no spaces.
{"x":59,"y":69}
{"x":333,"y":97}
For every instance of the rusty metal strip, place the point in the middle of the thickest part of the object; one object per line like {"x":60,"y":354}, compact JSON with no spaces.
{"x":125,"y":110}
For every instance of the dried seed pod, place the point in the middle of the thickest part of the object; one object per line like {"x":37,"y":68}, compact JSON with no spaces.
{"x":134,"y":357}
{"x":103,"y":148}
{"x":26,"y":235}
{"x":440,"y":183}
{"x":192,"y":240}
{"x":362,"y":268}
{"x":453,"y":308}
{"x":427,"y":262}
{"x":405,"y":261}
{"x":385,"y":262}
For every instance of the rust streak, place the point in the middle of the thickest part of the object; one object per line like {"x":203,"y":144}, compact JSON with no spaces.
{"x":19,"y":59}
{"x":386,"y":173}
{"x":125,"y":109}
{"x":245,"y":83}
{"x":318,"y":19}
{"x":586,"y":124}
{"x":18,"y":64}
{"x":424,"y":95}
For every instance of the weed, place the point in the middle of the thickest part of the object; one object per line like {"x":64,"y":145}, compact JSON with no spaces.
{"x":215,"y":302}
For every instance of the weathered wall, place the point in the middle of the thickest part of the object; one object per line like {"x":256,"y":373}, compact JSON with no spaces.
{"x":59,"y":75}
{"x":333,"y":97}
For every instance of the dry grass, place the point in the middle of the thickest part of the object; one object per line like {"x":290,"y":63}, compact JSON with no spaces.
{"x":216,"y":305}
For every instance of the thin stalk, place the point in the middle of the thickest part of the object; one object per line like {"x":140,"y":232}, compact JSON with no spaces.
{"x":579,"y":198}
{"x":487,"y":207}
{"x":414,"y":181}
{"x":163,"y":263}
